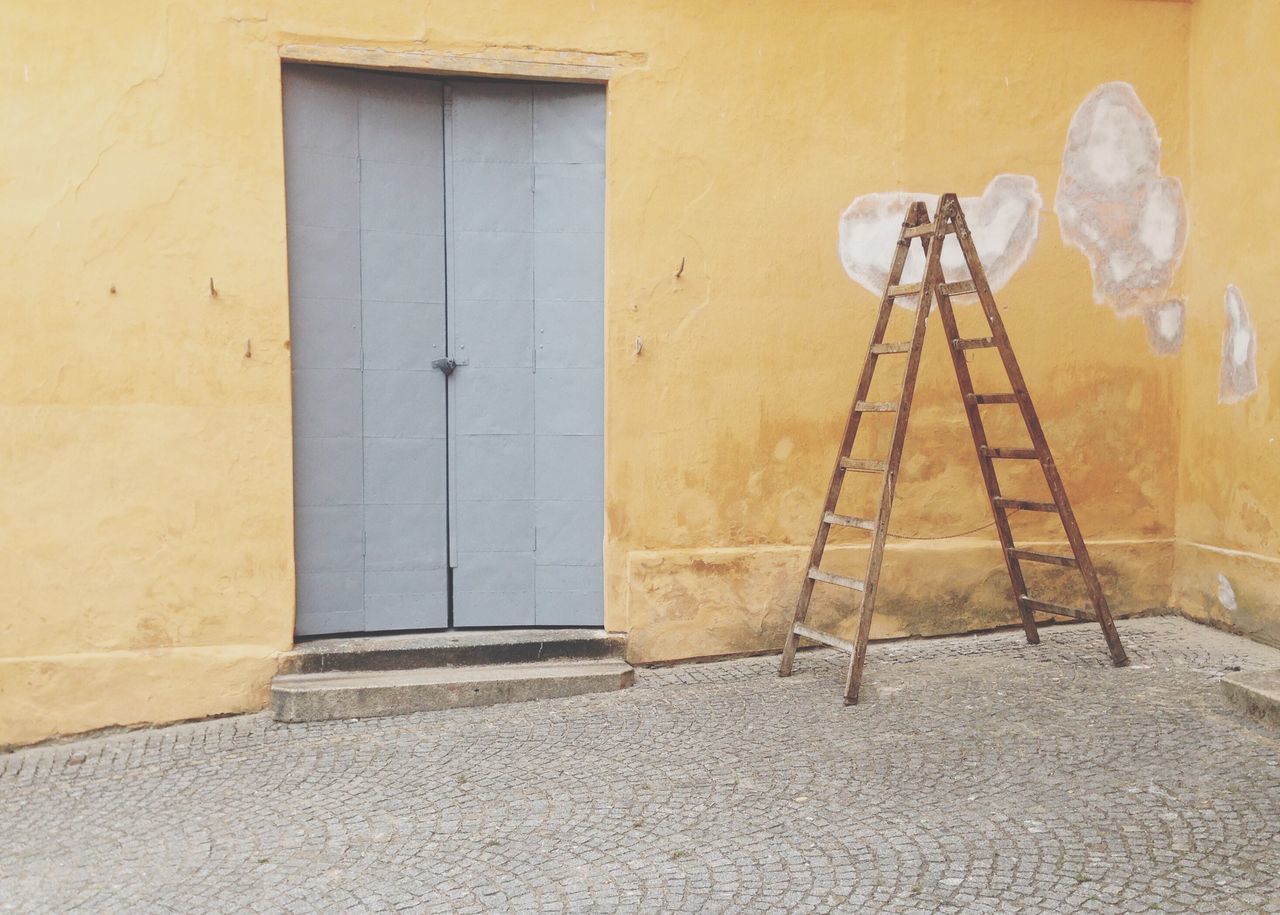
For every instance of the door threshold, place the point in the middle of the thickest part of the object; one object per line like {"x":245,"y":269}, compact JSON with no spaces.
{"x":449,"y":648}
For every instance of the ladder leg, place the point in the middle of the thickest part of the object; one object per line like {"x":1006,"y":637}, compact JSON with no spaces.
{"x":1084,"y":562}
{"x":932,"y":275}
{"x":802,"y":610}
{"x":916,"y":214}
{"x":1114,"y":648}
{"x":1040,"y":444}
{"x":989,"y":479}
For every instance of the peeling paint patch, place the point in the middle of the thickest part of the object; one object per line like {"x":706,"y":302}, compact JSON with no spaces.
{"x":1115,"y":206}
{"x":1005,"y":222}
{"x":1164,"y":325}
{"x":1238,"y":377}
{"x":1226,"y":593}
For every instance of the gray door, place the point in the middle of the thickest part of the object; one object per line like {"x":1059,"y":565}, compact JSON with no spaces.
{"x":496,"y":497}
{"x":365,"y":193}
{"x":525,"y":172}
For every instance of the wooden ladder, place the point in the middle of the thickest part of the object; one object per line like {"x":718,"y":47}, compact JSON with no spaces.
{"x":949,"y":220}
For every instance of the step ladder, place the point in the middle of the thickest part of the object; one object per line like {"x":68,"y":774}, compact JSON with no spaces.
{"x":949,"y":220}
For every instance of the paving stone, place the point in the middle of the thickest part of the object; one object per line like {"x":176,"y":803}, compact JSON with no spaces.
{"x":980,"y":774}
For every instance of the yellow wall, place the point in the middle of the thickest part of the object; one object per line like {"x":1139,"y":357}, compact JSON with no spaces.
{"x":146,"y":559}
{"x":1229,"y":484}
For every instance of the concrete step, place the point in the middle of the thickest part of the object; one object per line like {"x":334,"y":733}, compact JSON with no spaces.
{"x":369,"y":694}
{"x":451,"y":649}
{"x":1256,"y":693}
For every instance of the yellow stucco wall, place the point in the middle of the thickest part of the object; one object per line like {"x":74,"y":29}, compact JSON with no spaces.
{"x":1228,"y":524}
{"x":146,"y":561}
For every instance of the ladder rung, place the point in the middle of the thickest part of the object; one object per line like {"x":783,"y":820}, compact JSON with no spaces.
{"x":925,"y":228}
{"x":849,"y":521}
{"x":875,"y":406}
{"x":904,"y":289}
{"x":1025,"y":504}
{"x":863,"y":466}
{"x":973,"y":342}
{"x":879,"y":349}
{"x":1051,"y":558}
{"x":993,"y":398}
{"x":964,"y":287}
{"x":818,"y":635}
{"x":1025,"y":454}
{"x":853,"y":584}
{"x":1056,"y":609}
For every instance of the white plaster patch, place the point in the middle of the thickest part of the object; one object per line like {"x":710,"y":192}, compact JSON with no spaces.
{"x":1115,"y":206}
{"x":1226,"y":593}
{"x":1240,"y":343}
{"x":1121,"y":147}
{"x":1004,"y":221}
{"x":1160,"y":222}
{"x":1238,"y":374}
{"x":1122,"y":266}
{"x":1164,"y":325}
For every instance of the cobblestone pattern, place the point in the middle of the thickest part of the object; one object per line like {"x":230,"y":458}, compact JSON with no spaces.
{"x":979,"y":775}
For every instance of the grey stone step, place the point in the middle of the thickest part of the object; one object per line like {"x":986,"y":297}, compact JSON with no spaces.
{"x":1256,"y":693}
{"x":369,"y":694}
{"x":451,"y":649}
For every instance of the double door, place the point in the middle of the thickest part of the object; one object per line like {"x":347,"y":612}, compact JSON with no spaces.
{"x":446,"y":304}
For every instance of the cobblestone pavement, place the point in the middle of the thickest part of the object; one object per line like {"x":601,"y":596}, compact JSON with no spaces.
{"x":980,"y":774}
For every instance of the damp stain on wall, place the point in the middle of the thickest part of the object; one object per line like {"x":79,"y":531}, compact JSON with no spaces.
{"x":1005,"y":222}
{"x":1128,"y":219}
{"x":1238,"y":375}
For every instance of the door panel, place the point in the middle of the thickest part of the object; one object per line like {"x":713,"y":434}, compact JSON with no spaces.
{"x":568,"y":143}
{"x":490,"y":189}
{"x":526,"y":190}
{"x":365,"y":198}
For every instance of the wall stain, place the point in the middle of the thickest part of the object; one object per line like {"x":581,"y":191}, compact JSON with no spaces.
{"x":1238,"y":376}
{"x":1165,"y":322}
{"x":1115,"y":206}
{"x":1005,"y":222}
{"x":1226,"y":593}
